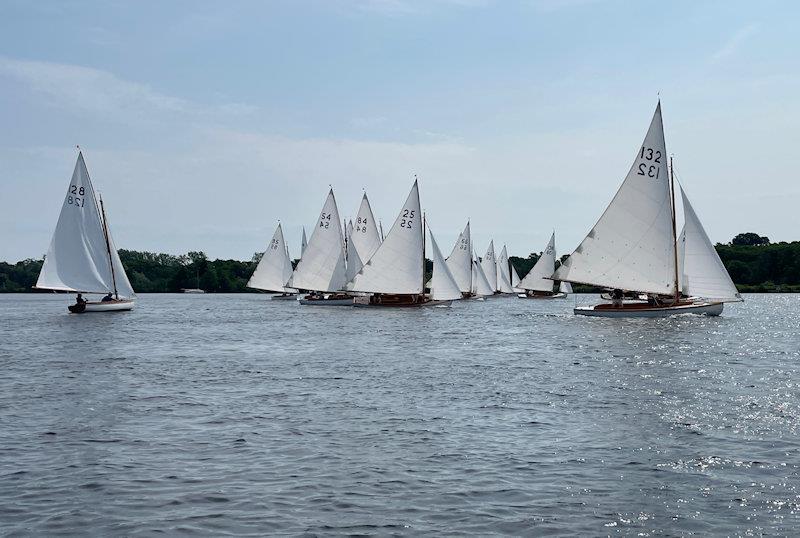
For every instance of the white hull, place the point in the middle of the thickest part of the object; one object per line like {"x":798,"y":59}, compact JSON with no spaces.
{"x":558,"y":295}
{"x":120,"y":305}
{"x":706,"y":309}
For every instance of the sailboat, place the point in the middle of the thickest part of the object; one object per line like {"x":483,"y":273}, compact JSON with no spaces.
{"x":515,"y":280}
{"x":82,"y":257}
{"x":363,"y":238}
{"x":634,"y":247}
{"x":394,"y":275}
{"x":321,"y":269}
{"x":274,"y":269}
{"x":503,"y":274}
{"x":538,"y":283}
{"x":460,"y":262}
{"x":480,"y":284}
{"x":489,"y":266}
{"x":303,"y":243}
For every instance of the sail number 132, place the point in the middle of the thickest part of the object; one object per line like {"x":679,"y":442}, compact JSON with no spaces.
{"x":650,"y":170}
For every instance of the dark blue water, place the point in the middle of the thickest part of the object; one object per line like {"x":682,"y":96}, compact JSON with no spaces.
{"x":235,"y":415}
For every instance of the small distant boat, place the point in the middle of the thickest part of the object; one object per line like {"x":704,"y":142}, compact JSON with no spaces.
{"x":489,"y":266}
{"x":460,"y":262}
{"x":82,"y":257}
{"x":480,"y":284}
{"x":504,"y":286}
{"x":322,"y":270}
{"x":192,"y":290}
{"x":515,"y":280}
{"x":538,"y":283}
{"x":274,"y":269}
{"x":634,"y":247}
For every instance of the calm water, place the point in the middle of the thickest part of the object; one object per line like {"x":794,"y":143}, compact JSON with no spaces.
{"x":232,"y":414}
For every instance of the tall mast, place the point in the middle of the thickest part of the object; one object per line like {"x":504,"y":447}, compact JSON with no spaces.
{"x":423,"y":254}
{"x":108,"y":248}
{"x":470,"y":258}
{"x":674,"y":228}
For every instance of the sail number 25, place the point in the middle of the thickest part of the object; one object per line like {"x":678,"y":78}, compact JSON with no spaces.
{"x":646,"y":169}
{"x":75,"y":195}
{"x":407,"y":220}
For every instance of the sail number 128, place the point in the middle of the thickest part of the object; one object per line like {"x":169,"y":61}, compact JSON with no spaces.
{"x":75,"y":195}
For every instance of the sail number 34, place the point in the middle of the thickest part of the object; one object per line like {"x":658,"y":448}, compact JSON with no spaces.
{"x":646,"y":169}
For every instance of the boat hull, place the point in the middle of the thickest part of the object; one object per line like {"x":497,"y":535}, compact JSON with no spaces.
{"x":336,"y":300}
{"x":285,"y":297}
{"x":558,"y":295}
{"x":645,"y":311}
{"x":120,"y":305}
{"x":397,"y":301}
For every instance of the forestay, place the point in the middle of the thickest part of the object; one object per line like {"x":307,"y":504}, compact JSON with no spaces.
{"x":704,"y":274}
{"x":365,"y":234}
{"x":489,"y":266}
{"x":503,"y":276}
{"x":322,"y":266}
{"x":275,"y":268}
{"x":539,"y":277}
{"x":396,"y":266}
{"x":460,"y":261}
{"x":631,"y":246}
{"x":443,"y":285}
{"x":78,"y":257}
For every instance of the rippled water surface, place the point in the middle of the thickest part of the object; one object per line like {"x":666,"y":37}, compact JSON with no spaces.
{"x":234,"y":414}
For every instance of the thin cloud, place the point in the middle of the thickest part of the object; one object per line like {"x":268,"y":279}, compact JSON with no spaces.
{"x":735,"y":41}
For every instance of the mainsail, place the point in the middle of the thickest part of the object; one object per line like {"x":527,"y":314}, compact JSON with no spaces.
{"x":703,"y":273}
{"x":443,"y":285}
{"x":322,"y":266}
{"x":489,"y":266}
{"x":631,"y":246}
{"x":515,"y":279}
{"x":460,"y":261}
{"x":539,"y":277}
{"x":396,"y":267}
{"x":82,"y":256}
{"x":275,"y":268}
{"x":503,"y":276}
{"x":480,"y":285}
{"x":365,"y":235}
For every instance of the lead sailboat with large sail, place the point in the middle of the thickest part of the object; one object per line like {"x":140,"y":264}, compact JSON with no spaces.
{"x":634,"y":247}
{"x":82,"y":257}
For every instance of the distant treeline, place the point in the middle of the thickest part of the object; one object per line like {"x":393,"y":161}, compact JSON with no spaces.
{"x":755,"y":264}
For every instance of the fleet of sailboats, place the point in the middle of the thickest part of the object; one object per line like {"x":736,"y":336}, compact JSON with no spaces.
{"x":634,"y":252}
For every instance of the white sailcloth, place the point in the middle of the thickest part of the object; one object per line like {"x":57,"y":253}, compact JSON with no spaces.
{"x":503,"y":276}
{"x":303,"y":243}
{"x":353,"y":261}
{"x":631,"y":246}
{"x":565,"y":287}
{"x":489,"y":266}
{"x":275,"y":268}
{"x":365,"y":235}
{"x":322,"y":267}
{"x":460,"y":261}
{"x":443,"y":285}
{"x":396,"y":267}
{"x":538,"y":278}
{"x":704,"y":274}
{"x":515,"y":280}
{"x":78,"y":258}
{"x":480,"y":285}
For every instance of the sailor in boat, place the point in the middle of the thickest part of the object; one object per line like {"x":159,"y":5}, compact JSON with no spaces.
{"x":79,"y":300}
{"x":107,"y":298}
{"x":616,"y":298}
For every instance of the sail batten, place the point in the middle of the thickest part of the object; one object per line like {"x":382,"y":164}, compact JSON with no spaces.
{"x":631,"y":245}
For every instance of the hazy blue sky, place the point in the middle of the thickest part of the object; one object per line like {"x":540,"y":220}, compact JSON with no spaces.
{"x":203,"y":123}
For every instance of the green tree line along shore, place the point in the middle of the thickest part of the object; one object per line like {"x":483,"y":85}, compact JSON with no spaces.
{"x":755,"y":264}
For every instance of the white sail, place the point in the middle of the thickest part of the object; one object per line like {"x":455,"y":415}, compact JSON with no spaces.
{"x":443,"y":285}
{"x":460,"y":261}
{"x":538,"y":278}
{"x":322,"y":266}
{"x":353,"y":260}
{"x":275,"y":268}
{"x":349,"y":229}
{"x":365,"y":235}
{"x":514,"y":278}
{"x":565,"y":287}
{"x":124,"y":288}
{"x":303,"y":243}
{"x":631,"y":246}
{"x":78,"y":258}
{"x":480,"y":285}
{"x":396,"y":267}
{"x":489,"y":266}
{"x":704,"y":274}
{"x":383,"y":236}
{"x":503,"y":276}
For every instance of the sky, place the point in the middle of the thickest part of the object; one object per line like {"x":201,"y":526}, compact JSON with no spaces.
{"x":204,"y":123}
